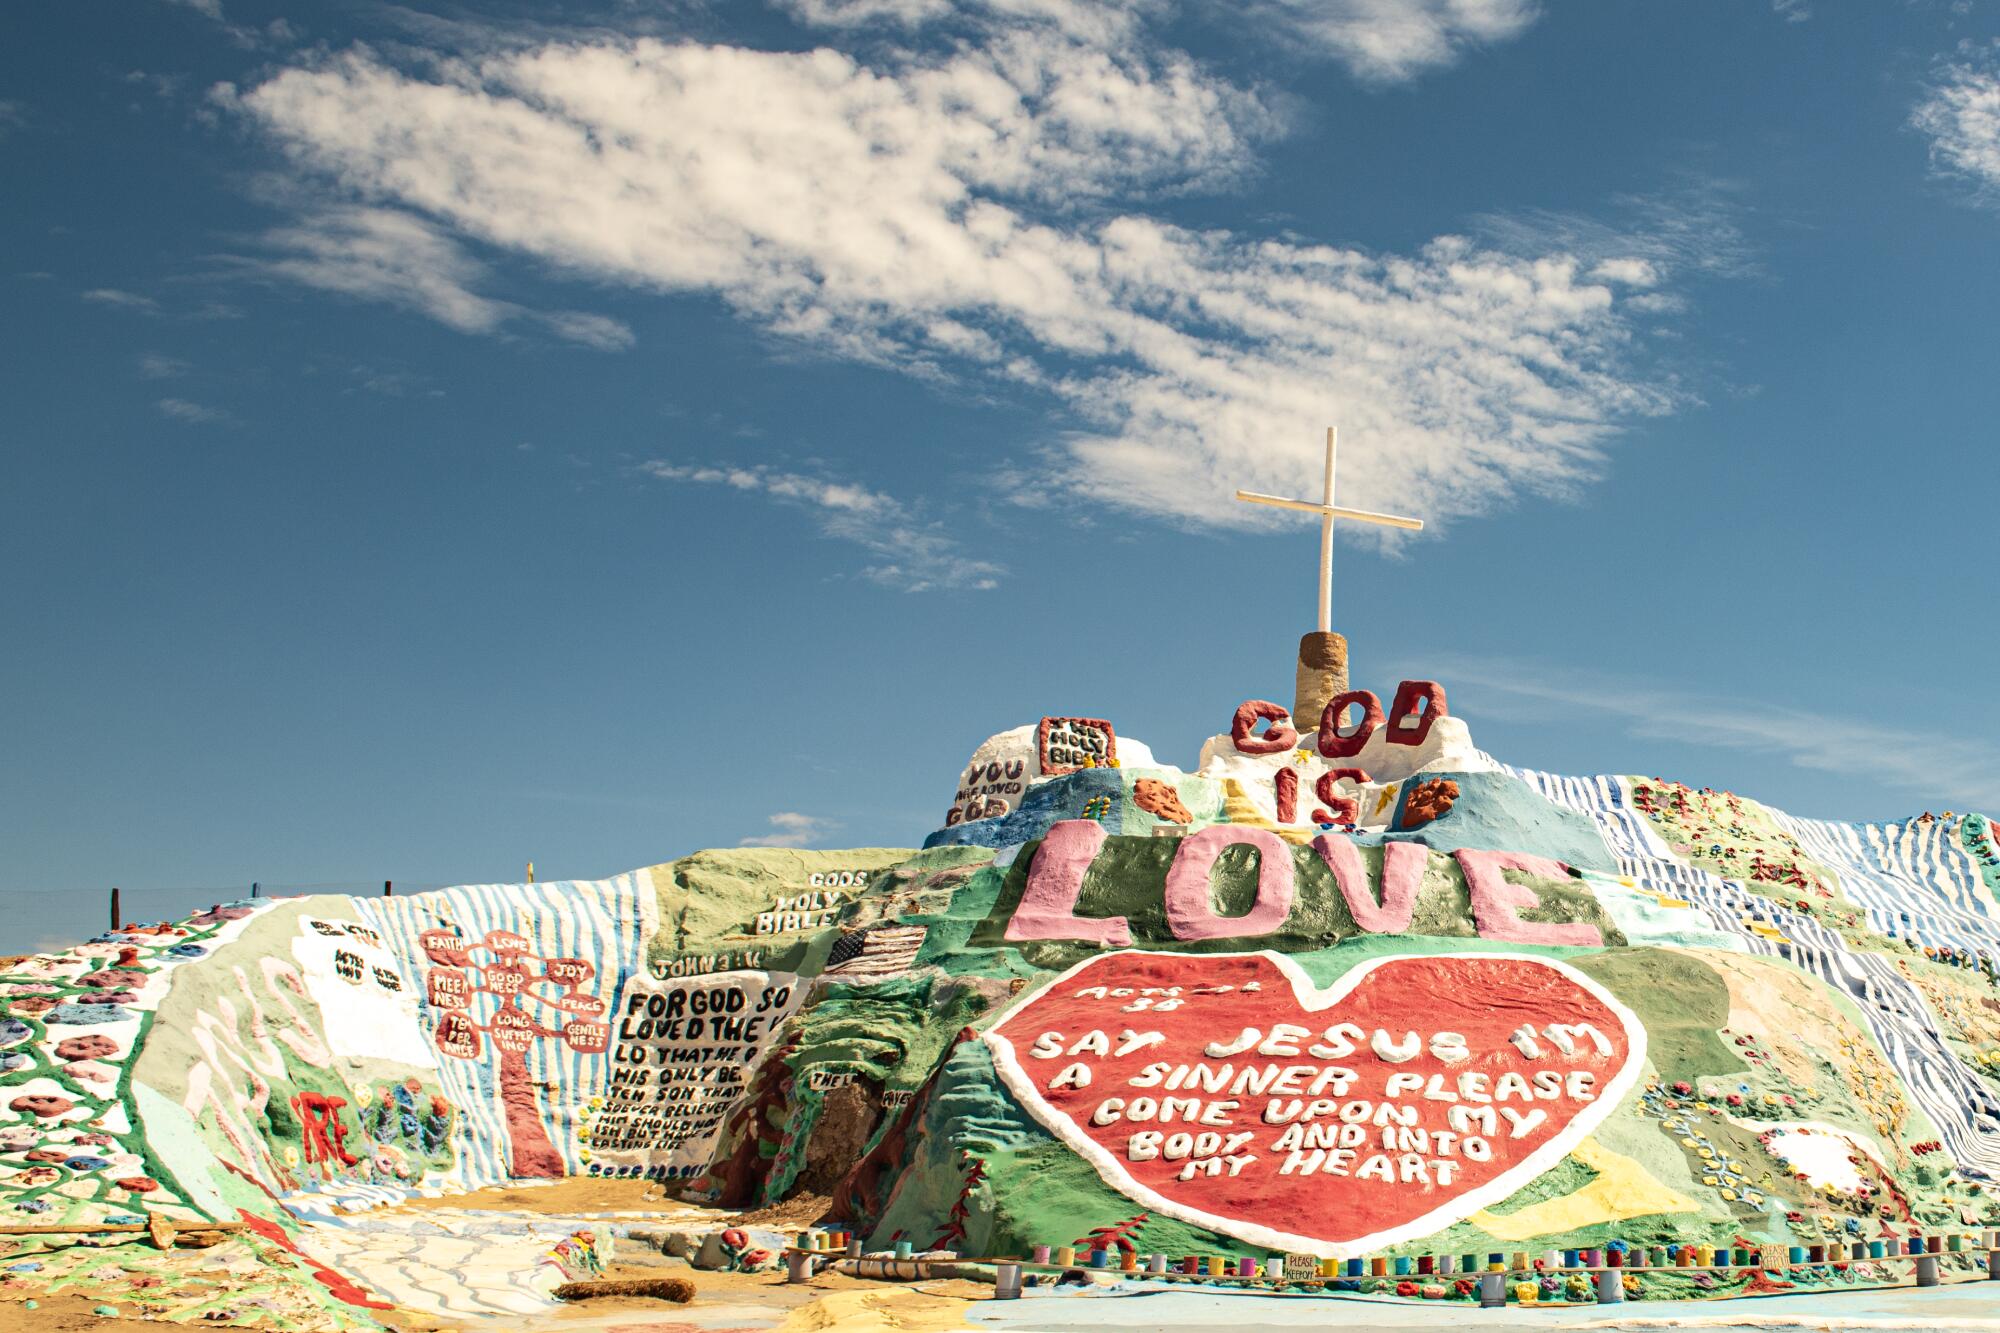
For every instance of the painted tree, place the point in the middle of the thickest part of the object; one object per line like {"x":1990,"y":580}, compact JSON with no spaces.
{"x":497,"y":991}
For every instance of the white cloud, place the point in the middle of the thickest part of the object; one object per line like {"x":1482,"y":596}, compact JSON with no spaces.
{"x":193,"y":414}
{"x":911,"y":554}
{"x":1379,"y":41}
{"x":600,"y":331}
{"x":123,"y":300}
{"x":156,"y":366}
{"x":980,"y":212}
{"x":789,"y":829}
{"x":384,"y":254}
{"x":1392,"y":41}
{"x":1960,"y":112}
{"x":1923,"y":763}
{"x":1792,"y":11}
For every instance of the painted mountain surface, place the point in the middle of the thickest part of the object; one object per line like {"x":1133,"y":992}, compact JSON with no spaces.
{"x":1362,"y":992}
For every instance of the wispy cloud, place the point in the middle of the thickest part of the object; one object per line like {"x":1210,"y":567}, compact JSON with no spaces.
{"x":911,"y":553}
{"x":1379,"y":41}
{"x":385,"y":254}
{"x":158,"y":366}
{"x":1960,"y":113}
{"x":1792,"y":11}
{"x":1393,"y":41}
{"x":123,"y":300}
{"x":789,"y":829}
{"x":1929,"y":766}
{"x":193,"y":414}
{"x":13,"y":115}
{"x":277,"y":32}
{"x":926,"y":212}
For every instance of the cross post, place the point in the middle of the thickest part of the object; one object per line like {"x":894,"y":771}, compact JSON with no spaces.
{"x":1322,"y":672}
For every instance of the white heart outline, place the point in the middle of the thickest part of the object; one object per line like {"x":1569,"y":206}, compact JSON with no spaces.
{"x":1311,"y":999}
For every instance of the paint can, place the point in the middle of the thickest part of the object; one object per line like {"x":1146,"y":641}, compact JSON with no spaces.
{"x":1006,"y":1282}
{"x":1040,"y":1254}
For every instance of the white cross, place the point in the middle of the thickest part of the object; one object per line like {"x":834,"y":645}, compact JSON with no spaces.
{"x":1329,"y":511}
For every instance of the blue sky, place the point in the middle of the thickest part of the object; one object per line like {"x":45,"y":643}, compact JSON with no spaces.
{"x":442,"y":438}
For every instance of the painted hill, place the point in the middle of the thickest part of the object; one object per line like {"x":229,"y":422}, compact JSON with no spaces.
{"x":1362,"y":992}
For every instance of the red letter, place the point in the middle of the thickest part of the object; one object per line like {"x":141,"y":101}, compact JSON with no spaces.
{"x":1341,"y":807}
{"x":1190,"y":909}
{"x":1496,"y":903}
{"x":1278,"y":738}
{"x":1406,"y":725}
{"x":1336,"y":746}
{"x":1287,"y":782}
{"x":1047,"y":910}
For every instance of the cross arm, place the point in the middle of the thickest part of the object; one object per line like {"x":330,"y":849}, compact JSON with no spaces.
{"x":1334,"y":511}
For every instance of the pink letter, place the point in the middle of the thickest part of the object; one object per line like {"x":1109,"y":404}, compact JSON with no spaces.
{"x":1047,"y":910}
{"x":1496,"y":903}
{"x":1190,"y":910}
{"x":1402,"y":876}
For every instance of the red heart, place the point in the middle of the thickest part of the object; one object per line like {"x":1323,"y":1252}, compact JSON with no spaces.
{"x":1097,"y":1054}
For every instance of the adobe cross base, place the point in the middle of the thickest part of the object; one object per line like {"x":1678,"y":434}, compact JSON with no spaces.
{"x":1322,"y":671}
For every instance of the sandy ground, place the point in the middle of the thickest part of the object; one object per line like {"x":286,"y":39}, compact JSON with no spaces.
{"x":67,"y":1313}
{"x":571,"y":1197}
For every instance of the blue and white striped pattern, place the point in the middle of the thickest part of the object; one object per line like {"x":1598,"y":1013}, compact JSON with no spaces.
{"x":1914,"y":876}
{"x":1913,"y":879}
{"x":605,"y":922}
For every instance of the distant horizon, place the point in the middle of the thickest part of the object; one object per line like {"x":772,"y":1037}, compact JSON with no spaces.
{"x":138,"y":898}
